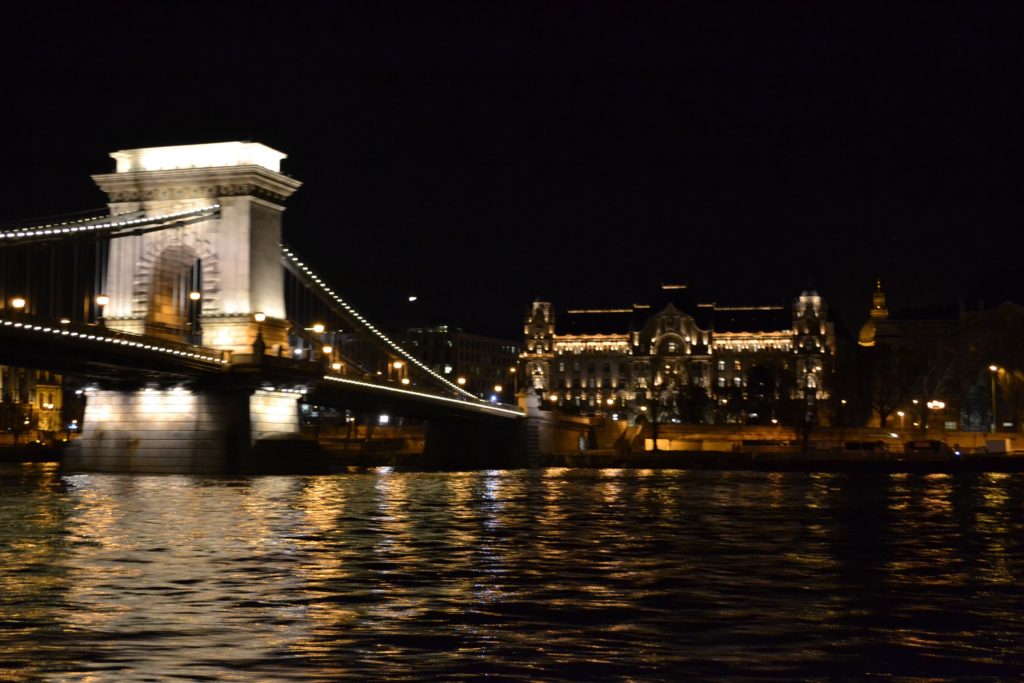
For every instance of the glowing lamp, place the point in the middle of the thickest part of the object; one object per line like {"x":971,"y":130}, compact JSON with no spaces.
{"x":259,"y":316}
{"x":319,"y":328}
{"x":195,"y":296}
{"x":102,"y":300}
{"x":18,"y":303}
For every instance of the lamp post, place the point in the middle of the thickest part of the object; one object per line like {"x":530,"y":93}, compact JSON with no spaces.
{"x":259,"y":347}
{"x":101,"y":302}
{"x":993,"y":370}
{"x":196,"y":331}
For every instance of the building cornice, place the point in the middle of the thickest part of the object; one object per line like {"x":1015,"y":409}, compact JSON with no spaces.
{"x":590,"y":337}
{"x":195,"y":183}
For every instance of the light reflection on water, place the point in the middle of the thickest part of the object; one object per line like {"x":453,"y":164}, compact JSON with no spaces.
{"x":521,"y":575}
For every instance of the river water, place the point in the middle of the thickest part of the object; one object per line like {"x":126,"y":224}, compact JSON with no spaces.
{"x":551,"y":574}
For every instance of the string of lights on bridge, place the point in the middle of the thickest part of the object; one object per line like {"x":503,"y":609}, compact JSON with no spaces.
{"x":89,"y":225}
{"x":112,"y":339}
{"x":482,"y":405}
{"x":366,"y":323}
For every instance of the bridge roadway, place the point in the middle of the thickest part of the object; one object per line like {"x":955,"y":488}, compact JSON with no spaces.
{"x":113,"y":358}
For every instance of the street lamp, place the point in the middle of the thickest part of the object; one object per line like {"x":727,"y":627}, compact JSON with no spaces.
{"x":101,"y":302}
{"x":259,"y":347}
{"x":901,"y":415}
{"x":18,"y":303}
{"x":993,"y":371}
{"x":319,"y":328}
{"x":196,"y":332}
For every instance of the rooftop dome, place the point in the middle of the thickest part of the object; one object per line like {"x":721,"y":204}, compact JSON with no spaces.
{"x":867,"y":333}
{"x":879,"y":311}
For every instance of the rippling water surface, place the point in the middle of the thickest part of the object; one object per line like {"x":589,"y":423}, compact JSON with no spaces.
{"x":517,"y":575}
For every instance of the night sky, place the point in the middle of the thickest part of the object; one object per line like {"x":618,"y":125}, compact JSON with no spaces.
{"x":481,"y":155}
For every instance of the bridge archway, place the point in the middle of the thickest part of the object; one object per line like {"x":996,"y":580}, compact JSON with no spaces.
{"x":169,"y":274}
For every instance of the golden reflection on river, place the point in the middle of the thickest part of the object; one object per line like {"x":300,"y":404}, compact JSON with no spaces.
{"x":555,"y":574}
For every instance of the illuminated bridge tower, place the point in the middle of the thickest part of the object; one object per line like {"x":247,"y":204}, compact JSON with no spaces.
{"x":204,"y":280}
{"x":201,"y":281}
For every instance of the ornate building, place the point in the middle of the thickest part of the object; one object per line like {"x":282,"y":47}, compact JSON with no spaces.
{"x":30,"y":400}
{"x":714,"y":364}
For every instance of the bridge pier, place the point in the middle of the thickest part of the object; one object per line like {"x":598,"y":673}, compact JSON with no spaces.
{"x":461,"y":443}
{"x":198,"y":431}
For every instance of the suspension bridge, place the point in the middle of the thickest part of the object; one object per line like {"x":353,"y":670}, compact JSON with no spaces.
{"x":198,"y":332}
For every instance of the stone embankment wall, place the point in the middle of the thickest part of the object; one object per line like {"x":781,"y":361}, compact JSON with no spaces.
{"x":560,"y":434}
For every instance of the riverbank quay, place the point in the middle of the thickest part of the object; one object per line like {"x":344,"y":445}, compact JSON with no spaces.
{"x":795,"y":461}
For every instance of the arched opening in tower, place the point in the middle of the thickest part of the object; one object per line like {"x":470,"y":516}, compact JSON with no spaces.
{"x":172,"y":311}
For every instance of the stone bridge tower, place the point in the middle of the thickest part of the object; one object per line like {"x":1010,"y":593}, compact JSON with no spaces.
{"x":232,"y":260}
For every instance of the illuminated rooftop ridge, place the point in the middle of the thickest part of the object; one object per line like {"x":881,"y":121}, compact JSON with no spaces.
{"x":212,"y":155}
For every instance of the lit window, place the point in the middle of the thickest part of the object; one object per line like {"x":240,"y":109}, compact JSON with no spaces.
{"x":721,"y":365}
{"x":721,"y":381}
{"x":737,"y":365}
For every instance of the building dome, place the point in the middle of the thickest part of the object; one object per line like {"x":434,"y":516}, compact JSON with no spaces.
{"x":879,"y":311}
{"x":867,"y":334}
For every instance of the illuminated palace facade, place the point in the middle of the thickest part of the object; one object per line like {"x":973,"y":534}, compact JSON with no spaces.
{"x":729,"y":363}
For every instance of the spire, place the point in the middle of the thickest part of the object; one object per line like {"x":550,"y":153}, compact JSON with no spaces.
{"x":878,"y":307}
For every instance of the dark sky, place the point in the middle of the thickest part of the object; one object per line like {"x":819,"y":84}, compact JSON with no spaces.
{"x":480,"y":155}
